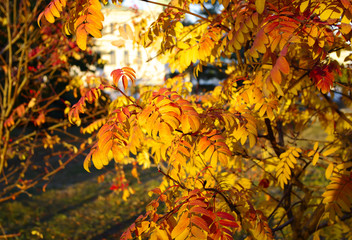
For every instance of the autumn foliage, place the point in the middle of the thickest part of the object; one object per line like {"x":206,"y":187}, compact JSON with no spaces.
{"x":36,"y":91}
{"x":236,"y":161}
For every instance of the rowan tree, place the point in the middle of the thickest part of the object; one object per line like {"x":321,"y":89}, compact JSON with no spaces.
{"x":35,"y":90}
{"x":236,"y":161}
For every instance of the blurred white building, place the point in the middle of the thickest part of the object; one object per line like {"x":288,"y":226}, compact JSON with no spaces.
{"x":119,"y":52}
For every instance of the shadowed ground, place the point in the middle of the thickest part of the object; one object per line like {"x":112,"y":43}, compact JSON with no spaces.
{"x":76,"y":206}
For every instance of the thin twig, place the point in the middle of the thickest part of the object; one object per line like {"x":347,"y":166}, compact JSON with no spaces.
{"x":180,"y":9}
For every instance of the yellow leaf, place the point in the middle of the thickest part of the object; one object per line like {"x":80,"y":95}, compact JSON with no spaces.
{"x":316,"y":145}
{"x":95,"y":4}
{"x":129,"y":31}
{"x":311,"y":153}
{"x":329,"y":170}
{"x":260,"y":5}
{"x":304,"y":6}
{"x":225,"y":3}
{"x":330,"y":151}
{"x":315,"y":159}
{"x":183,"y":235}
{"x":182,"y":45}
{"x":330,"y":13}
{"x":316,"y":236}
{"x":252,"y":140}
{"x":164,"y":131}
{"x":96,"y":159}
{"x":209,"y":152}
{"x":311,"y":41}
{"x":161,"y":234}
{"x":87,"y":161}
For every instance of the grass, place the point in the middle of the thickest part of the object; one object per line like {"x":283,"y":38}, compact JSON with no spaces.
{"x":76,"y":206}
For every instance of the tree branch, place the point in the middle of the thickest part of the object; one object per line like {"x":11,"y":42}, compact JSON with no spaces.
{"x":180,"y":9}
{"x":336,"y":109}
{"x":326,"y":223}
{"x":271,"y":137}
{"x":283,"y":225}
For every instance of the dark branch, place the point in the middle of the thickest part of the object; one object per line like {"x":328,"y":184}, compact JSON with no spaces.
{"x":283,"y":225}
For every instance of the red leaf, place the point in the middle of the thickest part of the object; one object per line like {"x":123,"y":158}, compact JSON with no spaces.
{"x":199,"y":222}
{"x":323,"y":77}
{"x":225,"y":215}
{"x":228,"y":223}
{"x":264,"y":183}
{"x":203,"y":211}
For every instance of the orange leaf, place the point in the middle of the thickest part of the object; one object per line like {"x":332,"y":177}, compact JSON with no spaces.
{"x":164,"y":130}
{"x":54,"y":10}
{"x":197,"y":233}
{"x":198,"y":202}
{"x":92,"y":30}
{"x":48,"y":15}
{"x":283,"y":65}
{"x":181,"y":225}
{"x":184,"y":151}
{"x":81,"y":35}
{"x":9,"y":121}
{"x":275,"y":74}
{"x":228,"y":223}
{"x":40,"y":119}
{"x":203,"y":144}
{"x":123,"y":73}
{"x":58,"y":5}
{"x":96,"y":159}
{"x":200,"y":222}
{"x":124,"y":82}
{"x":96,"y":12}
{"x":194,"y":122}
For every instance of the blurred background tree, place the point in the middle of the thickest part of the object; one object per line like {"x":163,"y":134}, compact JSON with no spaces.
{"x":41,"y":74}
